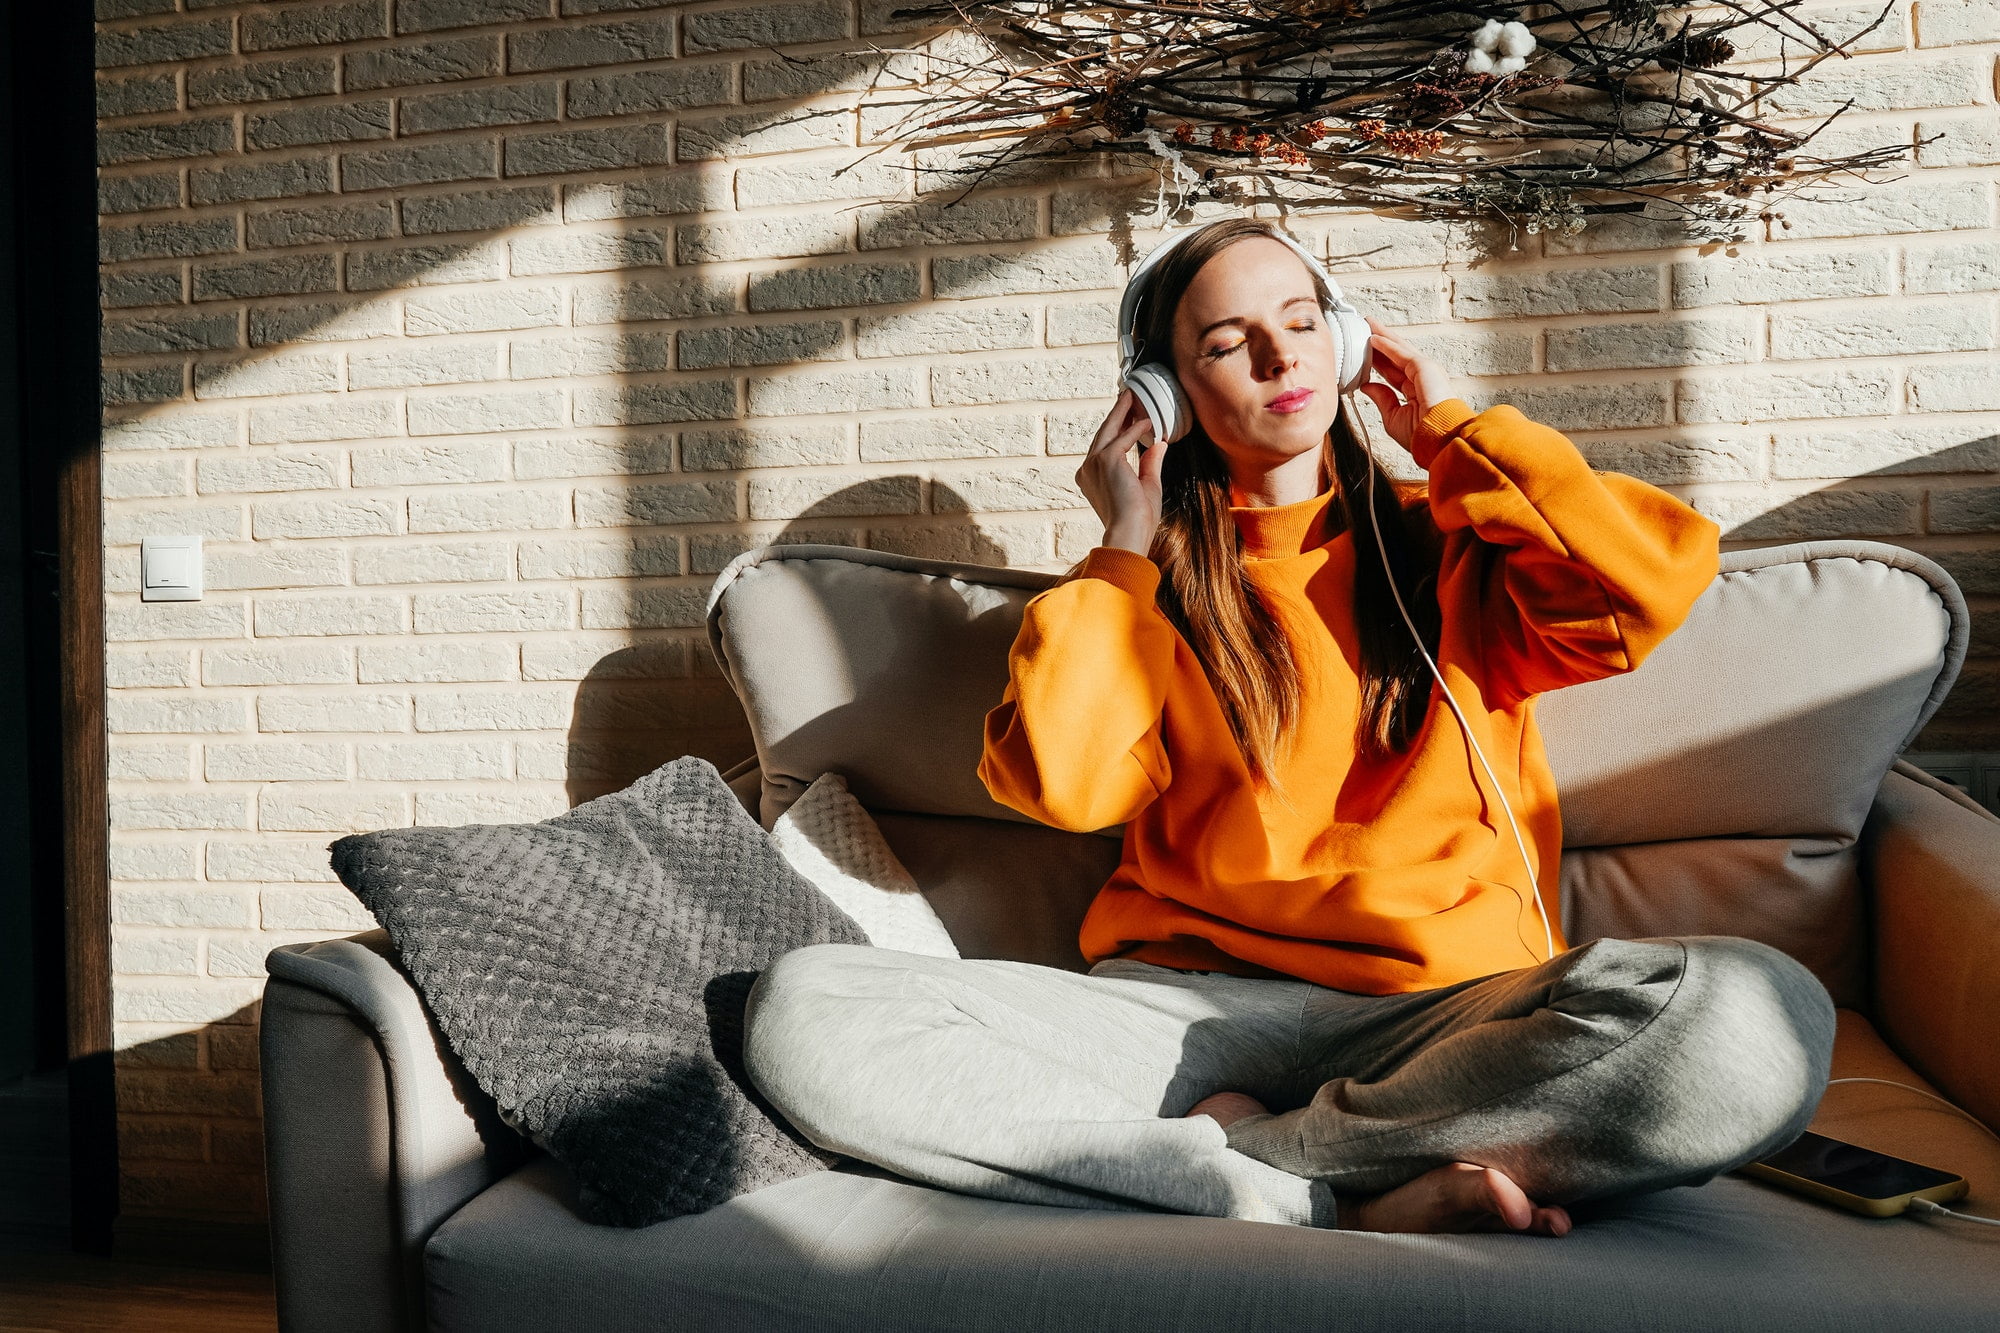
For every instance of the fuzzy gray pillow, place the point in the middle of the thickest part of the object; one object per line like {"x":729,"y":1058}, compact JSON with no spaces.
{"x":590,"y":972}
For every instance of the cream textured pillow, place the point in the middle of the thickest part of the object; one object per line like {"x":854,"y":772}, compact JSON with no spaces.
{"x":829,"y":837}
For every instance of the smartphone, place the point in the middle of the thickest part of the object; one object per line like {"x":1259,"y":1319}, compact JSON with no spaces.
{"x":1852,"y":1177}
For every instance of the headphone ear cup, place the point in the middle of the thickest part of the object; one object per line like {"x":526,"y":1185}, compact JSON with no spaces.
{"x":1356,"y":351}
{"x":1154,"y":385}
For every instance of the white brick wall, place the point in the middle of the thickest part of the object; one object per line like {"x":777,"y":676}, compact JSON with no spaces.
{"x":475,"y":336}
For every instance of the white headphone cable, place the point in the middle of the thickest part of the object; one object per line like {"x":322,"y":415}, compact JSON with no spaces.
{"x":1948,"y":1105}
{"x":1389,"y":573}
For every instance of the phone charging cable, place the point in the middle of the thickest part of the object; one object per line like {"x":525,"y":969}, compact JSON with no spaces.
{"x":1925,"y":1206}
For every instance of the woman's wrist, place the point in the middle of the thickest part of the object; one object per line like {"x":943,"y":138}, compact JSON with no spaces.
{"x":1129,"y":540}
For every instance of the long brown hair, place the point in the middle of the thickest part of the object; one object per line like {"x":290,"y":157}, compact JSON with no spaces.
{"x":1206,"y":594}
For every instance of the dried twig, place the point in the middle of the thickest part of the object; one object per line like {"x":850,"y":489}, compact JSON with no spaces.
{"x":1444,"y":108}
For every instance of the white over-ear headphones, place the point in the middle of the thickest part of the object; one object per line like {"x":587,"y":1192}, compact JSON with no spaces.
{"x":1153,"y":382}
{"x":1154,"y":385}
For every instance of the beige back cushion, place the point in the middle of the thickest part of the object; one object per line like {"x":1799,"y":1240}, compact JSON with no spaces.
{"x":1717,"y":789}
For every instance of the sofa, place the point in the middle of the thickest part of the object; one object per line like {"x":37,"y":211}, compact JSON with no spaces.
{"x":1743,"y":780}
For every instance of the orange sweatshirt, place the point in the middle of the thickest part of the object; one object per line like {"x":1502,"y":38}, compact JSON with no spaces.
{"x":1391,"y":877}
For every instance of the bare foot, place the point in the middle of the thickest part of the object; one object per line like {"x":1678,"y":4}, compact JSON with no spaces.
{"x":1458,"y":1196}
{"x":1226,"y":1108}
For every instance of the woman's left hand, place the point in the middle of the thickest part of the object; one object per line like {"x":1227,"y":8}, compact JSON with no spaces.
{"x":1414,"y":383}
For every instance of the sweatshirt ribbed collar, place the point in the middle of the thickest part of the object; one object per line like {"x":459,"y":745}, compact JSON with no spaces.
{"x":1272,"y":532}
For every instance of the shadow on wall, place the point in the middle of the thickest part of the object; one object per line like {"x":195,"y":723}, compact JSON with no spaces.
{"x":685,"y":377}
{"x":198,"y":1126}
{"x":625,"y":725}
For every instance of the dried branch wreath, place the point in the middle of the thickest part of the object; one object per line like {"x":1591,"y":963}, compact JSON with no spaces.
{"x":1428,"y":106}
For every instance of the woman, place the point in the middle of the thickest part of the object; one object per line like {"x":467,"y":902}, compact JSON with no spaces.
{"x":1317,"y":994}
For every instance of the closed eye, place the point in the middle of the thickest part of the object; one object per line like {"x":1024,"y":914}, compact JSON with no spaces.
{"x":1307,"y":327}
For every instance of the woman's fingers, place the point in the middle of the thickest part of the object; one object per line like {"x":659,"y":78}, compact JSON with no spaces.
{"x":1140,"y":432}
{"x":1385,"y":398}
{"x":1390,"y":366}
{"x":1126,"y":418}
{"x":1124,"y":427}
{"x":1137,"y":425}
{"x":1391,"y":373}
{"x":1392,"y":359}
{"x":1392,"y":345}
{"x":1386,"y":333}
{"x":1114,"y":420}
{"x":1405,"y":367}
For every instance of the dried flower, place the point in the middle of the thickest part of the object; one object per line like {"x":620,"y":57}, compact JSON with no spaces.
{"x":1446,"y":91}
{"x":1122,"y":116}
{"x":1411,"y":143}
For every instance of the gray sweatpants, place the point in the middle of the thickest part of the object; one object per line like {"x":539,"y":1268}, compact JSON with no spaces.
{"x":1619,"y":1066}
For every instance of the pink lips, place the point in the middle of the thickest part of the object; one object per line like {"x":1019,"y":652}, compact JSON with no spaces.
{"x":1291,"y":400}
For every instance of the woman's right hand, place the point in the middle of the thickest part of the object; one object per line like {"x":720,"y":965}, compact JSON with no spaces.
{"x":1126,"y":497}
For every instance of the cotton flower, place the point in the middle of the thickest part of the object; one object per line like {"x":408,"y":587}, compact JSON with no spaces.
{"x":1511,"y":40}
{"x":1516,"y":40}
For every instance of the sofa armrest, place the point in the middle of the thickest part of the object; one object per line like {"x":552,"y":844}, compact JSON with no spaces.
{"x":1932,"y":858}
{"x":373,"y":1134}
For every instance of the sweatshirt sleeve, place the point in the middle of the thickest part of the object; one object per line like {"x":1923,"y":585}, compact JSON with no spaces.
{"x":1594,"y":569}
{"x":1075,"y":740}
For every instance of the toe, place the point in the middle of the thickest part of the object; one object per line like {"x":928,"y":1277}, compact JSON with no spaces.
{"x":1506,"y":1200}
{"x":1551,"y":1222}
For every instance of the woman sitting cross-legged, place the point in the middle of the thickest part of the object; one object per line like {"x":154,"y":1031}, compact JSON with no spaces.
{"x":1326,"y":986}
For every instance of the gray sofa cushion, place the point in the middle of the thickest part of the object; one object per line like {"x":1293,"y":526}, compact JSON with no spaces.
{"x":590,"y":972}
{"x":856,"y":1249}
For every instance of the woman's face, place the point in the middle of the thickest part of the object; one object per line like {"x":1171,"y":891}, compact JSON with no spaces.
{"x":1250,"y":342}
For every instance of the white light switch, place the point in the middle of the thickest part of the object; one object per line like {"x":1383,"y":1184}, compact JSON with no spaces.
{"x":170,"y":569}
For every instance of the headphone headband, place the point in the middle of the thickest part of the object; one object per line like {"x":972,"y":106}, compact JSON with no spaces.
{"x":1135,"y":287}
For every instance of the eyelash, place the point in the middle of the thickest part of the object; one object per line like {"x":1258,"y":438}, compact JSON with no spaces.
{"x":1221,"y":352}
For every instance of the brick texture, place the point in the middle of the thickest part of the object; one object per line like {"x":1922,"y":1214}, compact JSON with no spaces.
{"x":476,"y":336}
